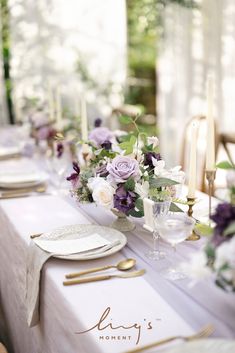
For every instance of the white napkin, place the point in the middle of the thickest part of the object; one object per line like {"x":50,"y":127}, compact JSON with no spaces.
{"x":72,"y":246}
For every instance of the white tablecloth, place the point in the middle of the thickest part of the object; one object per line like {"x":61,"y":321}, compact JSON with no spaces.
{"x":170,"y":307}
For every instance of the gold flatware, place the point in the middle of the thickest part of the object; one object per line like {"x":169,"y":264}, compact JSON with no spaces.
{"x":23,"y":192}
{"x":204,"y":332}
{"x":32,"y":236}
{"x":104,"y":277}
{"x":123,"y":265}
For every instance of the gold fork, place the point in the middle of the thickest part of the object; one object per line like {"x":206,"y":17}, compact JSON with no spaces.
{"x":204,"y":332}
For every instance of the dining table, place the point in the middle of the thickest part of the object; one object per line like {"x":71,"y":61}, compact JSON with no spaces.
{"x":110,"y":316}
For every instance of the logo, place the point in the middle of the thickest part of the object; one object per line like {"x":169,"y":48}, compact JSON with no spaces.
{"x":105,"y":322}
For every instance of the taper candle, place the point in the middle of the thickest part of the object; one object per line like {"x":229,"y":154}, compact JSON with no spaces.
{"x":193,"y":162}
{"x":210,"y":150}
{"x":58,"y":106}
{"x":51,"y":105}
{"x":84,"y":120}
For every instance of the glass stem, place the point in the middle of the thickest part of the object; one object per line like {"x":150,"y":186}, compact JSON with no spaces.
{"x":155,"y":242}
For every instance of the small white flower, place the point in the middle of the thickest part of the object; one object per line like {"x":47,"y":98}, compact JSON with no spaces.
{"x":102,"y":192}
{"x":153,"y":140}
{"x":158,"y":166}
{"x":225,"y":254}
{"x":197,"y":267}
{"x":142,"y":189}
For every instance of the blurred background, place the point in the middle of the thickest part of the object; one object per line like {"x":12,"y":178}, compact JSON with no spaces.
{"x":150,"y":57}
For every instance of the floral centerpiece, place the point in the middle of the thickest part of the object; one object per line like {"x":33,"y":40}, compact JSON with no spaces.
{"x":120,"y":172}
{"x":217,"y":258}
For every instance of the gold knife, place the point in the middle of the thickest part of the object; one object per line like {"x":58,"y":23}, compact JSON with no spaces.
{"x":104,"y":277}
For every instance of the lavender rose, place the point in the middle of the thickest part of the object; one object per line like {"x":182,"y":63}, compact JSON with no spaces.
{"x":122,"y":168}
{"x":99,"y":135}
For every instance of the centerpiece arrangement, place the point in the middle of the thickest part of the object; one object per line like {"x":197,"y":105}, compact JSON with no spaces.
{"x":120,"y":171}
{"x":217,"y":258}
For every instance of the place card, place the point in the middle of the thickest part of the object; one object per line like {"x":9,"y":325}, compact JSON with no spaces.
{"x":72,"y":246}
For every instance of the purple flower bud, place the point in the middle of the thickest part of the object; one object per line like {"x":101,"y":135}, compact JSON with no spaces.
{"x":106,"y":145}
{"x":148,"y":158}
{"x":223,"y":216}
{"x":59,"y":149}
{"x":98,"y":122}
{"x":74,"y":176}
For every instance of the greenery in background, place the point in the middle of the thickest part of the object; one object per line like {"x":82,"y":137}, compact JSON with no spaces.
{"x":144,"y":23}
{"x":6,"y":56}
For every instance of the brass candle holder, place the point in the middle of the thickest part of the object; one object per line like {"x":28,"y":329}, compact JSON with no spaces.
{"x":210,"y":177}
{"x":191,"y":202}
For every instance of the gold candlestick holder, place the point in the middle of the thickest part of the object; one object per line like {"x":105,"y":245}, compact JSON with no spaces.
{"x":210,"y":177}
{"x":191,"y":202}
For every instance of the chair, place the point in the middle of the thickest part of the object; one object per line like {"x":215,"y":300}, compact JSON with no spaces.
{"x":201,"y":148}
{"x":227,"y":139}
{"x":3,"y":348}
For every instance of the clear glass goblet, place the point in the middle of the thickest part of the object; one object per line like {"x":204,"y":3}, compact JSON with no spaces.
{"x":160,"y":209}
{"x":174,"y":229}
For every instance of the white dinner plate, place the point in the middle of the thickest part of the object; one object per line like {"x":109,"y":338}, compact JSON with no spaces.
{"x":9,"y":152}
{"x":207,"y":345}
{"x":84,"y":230}
{"x":15,"y":180}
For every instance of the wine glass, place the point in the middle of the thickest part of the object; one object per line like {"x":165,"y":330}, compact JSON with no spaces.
{"x":174,"y":229}
{"x":160,"y":208}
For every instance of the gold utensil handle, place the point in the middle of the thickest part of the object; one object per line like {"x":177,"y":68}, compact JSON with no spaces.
{"x":151,"y":345}
{"x":32,"y":236}
{"x":13,"y":196}
{"x":91,"y":270}
{"x":86,"y":280}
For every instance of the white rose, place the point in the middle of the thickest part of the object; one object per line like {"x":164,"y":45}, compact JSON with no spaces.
{"x":153,"y":140}
{"x":102,"y":192}
{"x":197,"y":267}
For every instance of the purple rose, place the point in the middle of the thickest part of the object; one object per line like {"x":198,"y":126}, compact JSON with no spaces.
{"x":124,"y":201}
{"x":99,"y":135}
{"x":122,"y":168}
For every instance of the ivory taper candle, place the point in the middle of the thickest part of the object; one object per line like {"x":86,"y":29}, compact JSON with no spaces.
{"x":193,"y":162}
{"x":210,"y":149}
{"x":84,"y":128}
{"x":51,"y":105}
{"x":58,"y":106}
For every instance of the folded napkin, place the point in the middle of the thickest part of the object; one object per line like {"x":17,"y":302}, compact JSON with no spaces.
{"x":40,"y":250}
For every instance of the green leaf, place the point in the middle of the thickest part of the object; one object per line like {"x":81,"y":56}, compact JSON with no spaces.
{"x":125,"y":119}
{"x":129,"y":185}
{"x":203,"y":229}
{"x":225,"y":165}
{"x":139,"y":204}
{"x":175,"y":208}
{"x":128,"y":145}
{"x":162,"y":182}
{"x":210,"y":251}
{"x":230,"y":229}
{"x":136,"y":214}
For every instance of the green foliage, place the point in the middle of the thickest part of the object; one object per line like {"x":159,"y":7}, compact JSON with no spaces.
{"x":230,"y":229}
{"x":203,"y":229}
{"x":128,"y":146}
{"x":225,"y":165}
{"x":175,"y":208}
{"x":162,"y":182}
{"x":138,"y":212}
{"x":125,"y":119}
{"x":129,"y":185}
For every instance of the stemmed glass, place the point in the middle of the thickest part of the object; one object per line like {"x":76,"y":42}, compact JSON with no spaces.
{"x":174,"y":229}
{"x":160,"y":209}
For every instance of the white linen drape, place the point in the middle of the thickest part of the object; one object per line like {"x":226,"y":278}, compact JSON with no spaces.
{"x":48,"y":36}
{"x":196,"y":42}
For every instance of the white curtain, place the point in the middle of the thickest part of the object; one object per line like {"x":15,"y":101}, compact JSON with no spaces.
{"x":196,"y":42}
{"x":48,"y":38}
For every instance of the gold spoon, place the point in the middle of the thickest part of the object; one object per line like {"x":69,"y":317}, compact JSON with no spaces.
{"x":104,"y":277}
{"x":123,"y":265}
